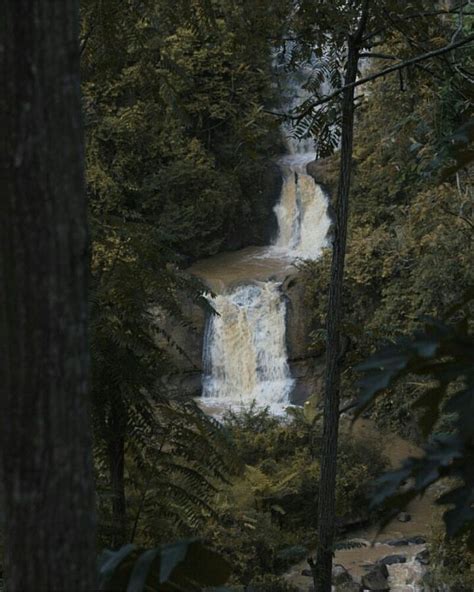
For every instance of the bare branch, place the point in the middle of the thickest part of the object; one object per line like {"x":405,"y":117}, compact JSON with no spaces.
{"x":380,"y":56}
{"x":394,"y":68}
{"x":425,"y":14}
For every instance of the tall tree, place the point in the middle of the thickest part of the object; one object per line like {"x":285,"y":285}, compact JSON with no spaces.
{"x":338,"y":34}
{"x":45,"y":455}
{"x":327,"y":498}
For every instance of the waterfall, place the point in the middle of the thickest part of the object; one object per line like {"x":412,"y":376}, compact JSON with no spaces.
{"x":245,"y":354}
{"x":245,"y":350}
{"x":303,"y":222}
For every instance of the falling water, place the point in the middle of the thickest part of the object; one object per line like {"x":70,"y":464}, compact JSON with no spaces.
{"x":406,"y":577}
{"x":245,"y":350}
{"x":303,"y":222}
{"x":245,"y":354}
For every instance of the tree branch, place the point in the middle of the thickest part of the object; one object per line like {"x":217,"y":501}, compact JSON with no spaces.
{"x":380,"y":56}
{"x":394,"y":68}
{"x":423,"y":15}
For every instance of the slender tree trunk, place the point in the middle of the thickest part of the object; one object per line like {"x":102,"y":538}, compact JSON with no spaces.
{"x":116,"y":461}
{"x":322,"y":569}
{"x":45,"y":446}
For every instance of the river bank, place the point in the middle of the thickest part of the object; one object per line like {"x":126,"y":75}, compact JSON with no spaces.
{"x":394,"y":558}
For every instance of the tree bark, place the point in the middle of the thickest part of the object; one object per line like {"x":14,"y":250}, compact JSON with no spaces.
{"x":116,"y":462}
{"x":322,"y":570}
{"x":46,"y":473}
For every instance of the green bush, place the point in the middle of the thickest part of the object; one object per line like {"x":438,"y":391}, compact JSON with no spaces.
{"x":450,"y":563}
{"x":269,"y":583}
{"x":268,"y":513}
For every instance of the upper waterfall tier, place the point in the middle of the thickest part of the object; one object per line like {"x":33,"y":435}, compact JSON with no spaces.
{"x":303,"y":225}
{"x":303,"y":221}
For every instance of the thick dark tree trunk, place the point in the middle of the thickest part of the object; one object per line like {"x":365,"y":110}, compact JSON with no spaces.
{"x":326,"y":508}
{"x":45,"y":456}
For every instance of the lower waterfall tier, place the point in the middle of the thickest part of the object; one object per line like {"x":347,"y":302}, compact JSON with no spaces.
{"x":245,"y":349}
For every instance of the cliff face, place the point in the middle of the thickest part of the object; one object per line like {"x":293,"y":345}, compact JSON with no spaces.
{"x":183,"y":343}
{"x":259,"y":226}
{"x":307,"y":368}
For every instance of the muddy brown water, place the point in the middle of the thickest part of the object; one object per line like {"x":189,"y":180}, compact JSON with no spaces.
{"x":227,"y":270}
{"x":403,"y":577}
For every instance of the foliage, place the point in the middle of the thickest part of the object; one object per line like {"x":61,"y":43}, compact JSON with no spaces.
{"x":450,"y":563}
{"x":267,"y":514}
{"x":177,"y":136}
{"x":174,"y":463}
{"x":186,"y":566}
{"x":444,"y":353}
{"x":270,"y":583}
{"x":319,"y":38}
{"x":410,"y":237}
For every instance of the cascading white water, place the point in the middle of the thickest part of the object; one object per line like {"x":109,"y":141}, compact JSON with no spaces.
{"x":245,"y":354}
{"x":245,"y":350}
{"x":303,"y":222}
{"x":406,"y":577}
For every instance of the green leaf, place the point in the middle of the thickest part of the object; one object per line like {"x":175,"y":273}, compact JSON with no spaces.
{"x":141,"y":570}
{"x":110,"y":561}
{"x":171,"y":557}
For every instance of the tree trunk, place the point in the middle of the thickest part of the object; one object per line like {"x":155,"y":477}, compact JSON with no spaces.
{"x":322,"y":570}
{"x":45,"y":445}
{"x":116,"y":462}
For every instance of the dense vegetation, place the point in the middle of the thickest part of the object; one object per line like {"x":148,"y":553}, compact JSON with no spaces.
{"x":266,"y":515}
{"x":410,"y":238}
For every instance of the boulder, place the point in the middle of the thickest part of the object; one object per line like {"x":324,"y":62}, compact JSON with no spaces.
{"x":392,"y":559}
{"x":404,"y":517}
{"x":376,"y":579}
{"x":340,"y":574}
{"x":423,"y":557}
{"x":405,"y":542}
{"x":343,"y":581}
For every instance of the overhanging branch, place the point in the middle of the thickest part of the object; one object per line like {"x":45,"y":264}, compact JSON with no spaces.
{"x":384,"y":72}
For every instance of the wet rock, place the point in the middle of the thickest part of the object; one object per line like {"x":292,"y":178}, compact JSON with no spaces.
{"x":343,"y":581}
{"x":405,"y":542}
{"x":340,"y":574}
{"x":404,"y":517}
{"x":262,"y":227}
{"x":392,"y":559}
{"x":325,"y":172}
{"x":183,"y":344}
{"x":298,"y":322}
{"x":188,"y":384}
{"x":351,"y":586}
{"x":423,"y":557}
{"x":377,"y":579}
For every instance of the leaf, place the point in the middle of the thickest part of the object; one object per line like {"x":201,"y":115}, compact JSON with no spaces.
{"x":171,"y":557}
{"x":110,"y":562}
{"x":141,"y":569}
